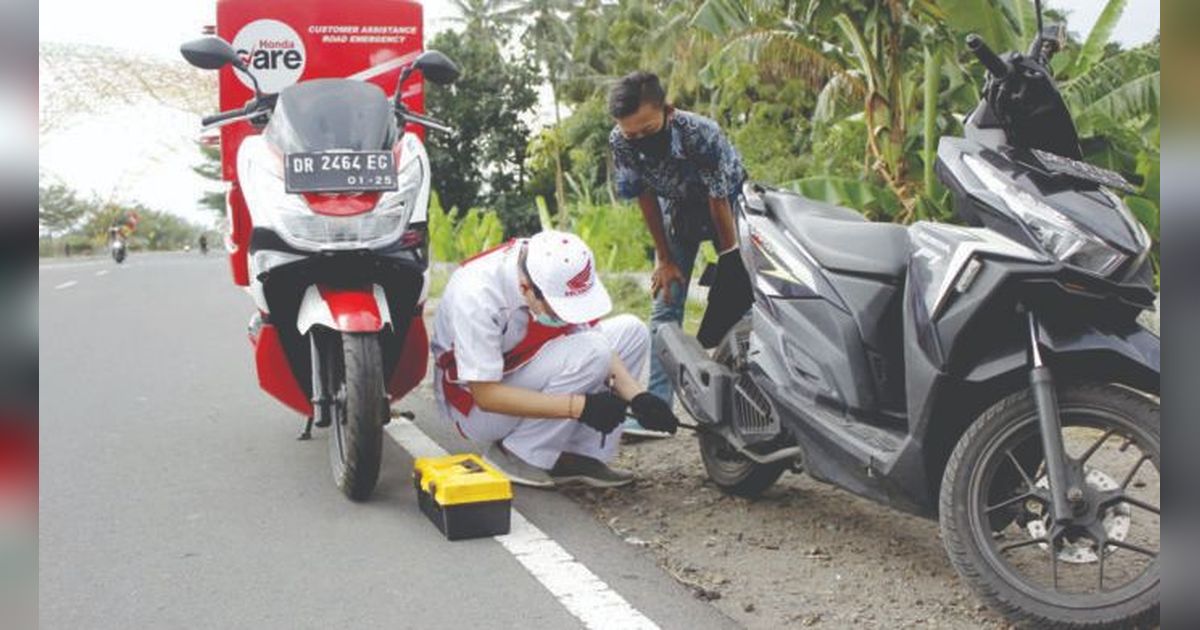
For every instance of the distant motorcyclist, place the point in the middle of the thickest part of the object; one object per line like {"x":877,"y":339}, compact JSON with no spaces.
{"x":116,"y":242}
{"x":204,"y":244}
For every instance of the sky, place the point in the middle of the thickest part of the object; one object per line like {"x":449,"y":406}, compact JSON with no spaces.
{"x":151,"y":162}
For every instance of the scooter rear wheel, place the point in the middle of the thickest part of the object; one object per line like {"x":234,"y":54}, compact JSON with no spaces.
{"x":359,"y":410}
{"x":731,"y":471}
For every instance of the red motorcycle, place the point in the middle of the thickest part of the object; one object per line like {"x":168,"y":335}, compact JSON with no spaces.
{"x":335,"y":188}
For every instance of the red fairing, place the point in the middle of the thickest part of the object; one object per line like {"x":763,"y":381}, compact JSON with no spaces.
{"x":353,"y":310}
{"x":286,"y":41}
{"x":413,"y":360}
{"x":274,"y":373}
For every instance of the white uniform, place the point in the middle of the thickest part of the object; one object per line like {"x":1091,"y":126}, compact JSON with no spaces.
{"x":481,"y":317}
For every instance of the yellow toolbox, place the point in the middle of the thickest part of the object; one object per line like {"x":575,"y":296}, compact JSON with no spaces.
{"x":463,"y":495}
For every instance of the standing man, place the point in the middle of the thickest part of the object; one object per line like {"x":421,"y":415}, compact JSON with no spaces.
{"x":526,"y":367}
{"x":686,"y":177}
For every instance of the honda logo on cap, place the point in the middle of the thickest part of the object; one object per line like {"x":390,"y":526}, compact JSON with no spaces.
{"x":581,"y":282}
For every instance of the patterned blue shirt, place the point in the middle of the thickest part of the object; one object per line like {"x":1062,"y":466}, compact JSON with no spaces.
{"x":701,"y":158}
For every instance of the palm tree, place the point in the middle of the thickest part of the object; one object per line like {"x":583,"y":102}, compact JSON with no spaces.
{"x":490,"y":18}
{"x":550,"y":37}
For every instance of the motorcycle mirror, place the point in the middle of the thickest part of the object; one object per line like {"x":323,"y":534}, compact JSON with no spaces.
{"x":436,"y":67}
{"x":211,"y":53}
{"x":1055,"y":32}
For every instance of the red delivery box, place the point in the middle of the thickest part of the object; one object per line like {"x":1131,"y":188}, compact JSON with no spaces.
{"x":287,"y":41}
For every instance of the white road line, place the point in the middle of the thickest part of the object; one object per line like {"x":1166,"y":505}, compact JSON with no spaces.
{"x":579,"y":590}
{"x":66,"y":285}
{"x":90,"y":263}
{"x":102,"y":272}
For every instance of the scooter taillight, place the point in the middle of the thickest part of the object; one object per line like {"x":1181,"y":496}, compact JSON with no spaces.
{"x":341,"y":204}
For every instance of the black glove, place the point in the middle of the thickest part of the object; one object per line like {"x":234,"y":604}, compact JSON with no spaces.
{"x":603,"y":412}
{"x":730,"y":297}
{"x":653,"y":413}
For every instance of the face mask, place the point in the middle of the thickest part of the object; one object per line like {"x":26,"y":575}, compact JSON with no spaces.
{"x":657,"y":144}
{"x":549,"y":321}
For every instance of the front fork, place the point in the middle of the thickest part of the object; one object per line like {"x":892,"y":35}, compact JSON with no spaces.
{"x":321,"y":401}
{"x":1066,"y":493}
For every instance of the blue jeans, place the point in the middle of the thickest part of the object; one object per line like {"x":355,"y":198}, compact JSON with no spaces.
{"x":683,"y":253}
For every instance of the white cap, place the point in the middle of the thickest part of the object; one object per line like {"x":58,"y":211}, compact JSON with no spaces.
{"x":562,"y":267}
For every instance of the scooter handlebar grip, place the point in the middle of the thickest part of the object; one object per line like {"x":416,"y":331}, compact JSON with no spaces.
{"x":216,"y":118}
{"x":990,"y":60}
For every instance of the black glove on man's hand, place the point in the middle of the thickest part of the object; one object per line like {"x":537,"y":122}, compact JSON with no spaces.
{"x":653,"y":413}
{"x":730,"y":297}
{"x":603,"y":411}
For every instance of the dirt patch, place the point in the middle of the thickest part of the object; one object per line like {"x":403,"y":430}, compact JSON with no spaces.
{"x":804,"y":554}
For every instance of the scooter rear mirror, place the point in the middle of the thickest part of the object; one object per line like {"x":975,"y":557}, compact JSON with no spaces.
{"x":436,"y":67}
{"x":1055,"y":32}
{"x":211,"y":53}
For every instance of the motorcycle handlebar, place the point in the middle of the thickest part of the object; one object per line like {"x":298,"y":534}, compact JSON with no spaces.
{"x":425,"y":121}
{"x":216,"y":118}
{"x":995,"y":65}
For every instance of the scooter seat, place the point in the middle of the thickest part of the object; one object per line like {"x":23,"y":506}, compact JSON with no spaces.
{"x":840,"y":239}
{"x":786,"y":204}
{"x":859,"y":247}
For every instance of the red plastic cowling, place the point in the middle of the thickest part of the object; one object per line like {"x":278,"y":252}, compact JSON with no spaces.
{"x":413,"y":360}
{"x":274,"y":373}
{"x":285,"y":41}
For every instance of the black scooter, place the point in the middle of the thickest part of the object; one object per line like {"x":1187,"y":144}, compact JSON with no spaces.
{"x":994,"y":377}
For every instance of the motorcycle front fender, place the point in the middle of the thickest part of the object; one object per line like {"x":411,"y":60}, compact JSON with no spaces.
{"x":357,"y":310}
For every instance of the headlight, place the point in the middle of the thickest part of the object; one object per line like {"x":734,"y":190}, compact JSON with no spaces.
{"x":301,"y":227}
{"x":1062,"y":237}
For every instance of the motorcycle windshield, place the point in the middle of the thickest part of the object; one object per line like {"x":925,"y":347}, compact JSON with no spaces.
{"x":332,"y":114}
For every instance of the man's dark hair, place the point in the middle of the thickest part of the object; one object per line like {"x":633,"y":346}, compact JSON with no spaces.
{"x":634,"y":89}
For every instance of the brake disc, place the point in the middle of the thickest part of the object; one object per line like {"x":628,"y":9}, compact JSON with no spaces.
{"x":1117,"y":520}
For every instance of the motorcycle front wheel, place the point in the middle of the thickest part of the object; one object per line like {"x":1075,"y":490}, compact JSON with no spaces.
{"x":355,"y":374}
{"x":1100,"y":569}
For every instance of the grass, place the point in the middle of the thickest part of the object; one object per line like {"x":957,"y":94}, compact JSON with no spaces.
{"x":630,"y":296}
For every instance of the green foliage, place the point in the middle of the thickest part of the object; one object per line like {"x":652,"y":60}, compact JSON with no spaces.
{"x":629,"y":295}
{"x":1003,"y":24}
{"x":453,"y":239}
{"x":1093,"y":49}
{"x":210,"y":169}
{"x":59,"y":208}
{"x":482,"y":161}
{"x":616,"y":234}
{"x":844,"y":101}
{"x":83,"y":223}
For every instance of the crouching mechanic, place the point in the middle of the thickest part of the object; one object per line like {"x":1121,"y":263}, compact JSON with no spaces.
{"x":525,"y":368}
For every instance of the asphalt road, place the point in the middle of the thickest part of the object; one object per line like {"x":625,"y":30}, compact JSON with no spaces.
{"x":174,"y":495}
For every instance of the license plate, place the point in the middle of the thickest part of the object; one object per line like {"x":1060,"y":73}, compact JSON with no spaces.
{"x":343,"y":171}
